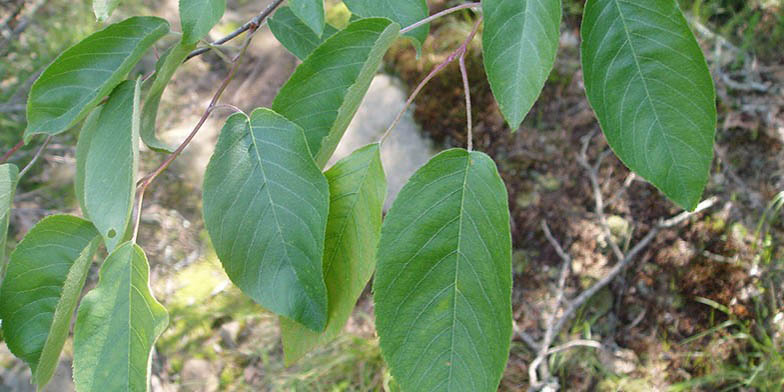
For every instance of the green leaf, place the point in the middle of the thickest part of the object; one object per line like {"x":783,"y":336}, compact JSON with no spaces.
{"x":325,"y":91}
{"x":107,"y":160}
{"x":647,"y":81}
{"x":45,"y":277}
{"x":164,"y":71}
{"x":104,"y":8}
{"x":310,"y":12}
{"x":80,"y":77}
{"x":403,"y":12}
{"x":197,"y":18}
{"x":357,"y":188}
{"x":294,"y":35}
{"x":117,"y":325}
{"x":9,"y":174}
{"x":265,"y":208}
{"x":519,"y":43}
{"x":444,"y":278}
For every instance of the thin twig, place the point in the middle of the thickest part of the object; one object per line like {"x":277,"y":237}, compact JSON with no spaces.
{"x":251,"y":24}
{"x":467,"y":88}
{"x":438,"y":15}
{"x":440,"y":67}
{"x":35,"y":157}
{"x":575,"y":343}
{"x":11,"y":152}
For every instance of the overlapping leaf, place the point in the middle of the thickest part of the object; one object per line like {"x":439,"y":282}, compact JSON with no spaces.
{"x":85,"y":73}
{"x":8,"y":178}
{"x":45,"y":277}
{"x":107,"y":160}
{"x":197,"y":18}
{"x":104,"y":8}
{"x":403,"y":12}
{"x":326,"y":89}
{"x":311,"y":13}
{"x":357,"y":188}
{"x":647,"y":80}
{"x":443,"y":284}
{"x":265,"y":208}
{"x":519,"y":44}
{"x":295,"y":35}
{"x":117,"y":325}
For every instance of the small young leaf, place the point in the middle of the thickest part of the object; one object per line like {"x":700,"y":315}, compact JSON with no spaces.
{"x":444,"y":278}
{"x":325,"y":91}
{"x":197,"y":18}
{"x":310,"y":12}
{"x":519,"y":44}
{"x":45,"y":277}
{"x":403,"y":12}
{"x":164,"y":71}
{"x":647,"y":80}
{"x":104,"y":8}
{"x":265,"y":208}
{"x":294,"y":35}
{"x":107,"y":159}
{"x":80,"y":77}
{"x":8,"y":178}
{"x":117,"y":324}
{"x":357,"y":188}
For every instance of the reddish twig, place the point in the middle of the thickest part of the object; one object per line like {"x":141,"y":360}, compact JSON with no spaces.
{"x":12,"y":151}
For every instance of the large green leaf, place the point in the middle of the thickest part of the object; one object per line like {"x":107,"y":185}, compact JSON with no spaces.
{"x":8,"y":177}
{"x":104,"y":8}
{"x":357,"y":188}
{"x":197,"y":18}
{"x":107,"y":160}
{"x":443,"y":283}
{"x":647,"y":80}
{"x":117,"y":325}
{"x":310,"y":12}
{"x":80,"y":77}
{"x":45,"y":277}
{"x":403,"y":12}
{"x":164,"y":71}
{"x":519,"y":45}
{"x":326,"y":89}
{"x":265,"y":208}
{"x":294,"y":35}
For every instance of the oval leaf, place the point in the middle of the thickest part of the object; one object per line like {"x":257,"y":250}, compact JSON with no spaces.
{"x":519,"y":45}
{"x":45,"y":277}
{"x":104,"y":8}
{"x":444,"y":281}
{"x":294,"y":35}
{"x":325,"y":91}
{"x":107,"y":159}
{"x":357,"y":188}
{"x":80,"y":77}
{"x":647,"y":80}
{"x":265,"y":208}
{"x":164,"y":71}
{"x":311,"y":13}
{"x":198,"y":17}
{"x":403,"y":12}
{"x":8,"y":177}
{"x":117,"y":324}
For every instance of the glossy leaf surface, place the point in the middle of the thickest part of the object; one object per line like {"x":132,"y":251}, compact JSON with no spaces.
{"x":45,"y":277}
{"x":85,"y":73}
{"x":311,"y":13}
{"x":8,"y":177}
{"x":325,"y":91}
{"x":443,"y":283}
{"x":403,"y":12}
{"x":357,"y":188}
{"x":107,"y":160}
{"x":265,"y":208}
{"x":295,"y":35}
{"x":197,"y":18}
{"x":647,"y":80}
{"x":117,"y":324}
{"x":519,"y":45}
